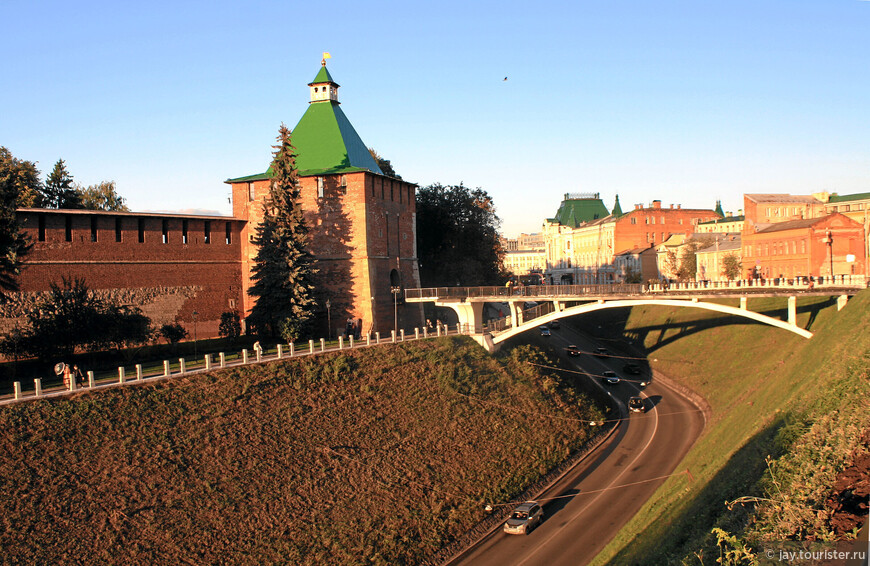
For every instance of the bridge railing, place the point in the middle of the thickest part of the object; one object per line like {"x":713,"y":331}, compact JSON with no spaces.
{"x":548,"y":291}
{"x":555,"y":291}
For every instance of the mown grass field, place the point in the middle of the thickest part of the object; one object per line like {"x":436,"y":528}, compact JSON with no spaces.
{"x":787,"y":416}
{"x":379,"y":456}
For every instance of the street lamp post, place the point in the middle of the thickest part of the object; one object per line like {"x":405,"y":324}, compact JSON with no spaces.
{"x":328,"y":320}
{"x":194,"y":334}
{"x":395,"y":291}
{"x":829,"y":240}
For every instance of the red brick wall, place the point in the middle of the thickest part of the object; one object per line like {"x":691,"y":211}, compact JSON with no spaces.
{"x":173,"y":279}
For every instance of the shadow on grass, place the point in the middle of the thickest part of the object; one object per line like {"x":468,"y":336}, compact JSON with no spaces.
{"x":688,"y":534}
{"x":611,"y":324}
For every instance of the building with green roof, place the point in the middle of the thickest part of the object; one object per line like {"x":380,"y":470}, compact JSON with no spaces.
{"x":361,"y":221}
{"x":577,"y":209}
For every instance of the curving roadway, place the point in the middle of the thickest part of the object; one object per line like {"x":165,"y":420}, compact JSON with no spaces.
{"x":587,"y":507}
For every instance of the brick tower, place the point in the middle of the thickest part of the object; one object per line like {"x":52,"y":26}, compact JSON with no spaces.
{"x":362,"y":223}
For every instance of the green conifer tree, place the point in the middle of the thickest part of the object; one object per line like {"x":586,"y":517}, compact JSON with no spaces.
{"x":59,"y":190}
{"x":283,"y":268}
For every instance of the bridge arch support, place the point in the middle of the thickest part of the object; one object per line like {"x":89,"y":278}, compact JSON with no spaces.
{"x":601,"y":304}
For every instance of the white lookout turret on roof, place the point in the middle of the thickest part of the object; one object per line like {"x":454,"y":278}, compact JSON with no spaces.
{"x":323,"y":88}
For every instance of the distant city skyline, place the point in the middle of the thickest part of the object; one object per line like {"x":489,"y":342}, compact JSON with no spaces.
{"x":679,"y":101}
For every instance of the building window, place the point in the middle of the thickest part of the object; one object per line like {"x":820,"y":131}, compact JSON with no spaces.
{"x":391,"y":192}
{"x":141,"y":230}
{"x":252,"y":194}
{"x":67,"y":229}
{"x":165,"y":231}
{"x":93,"y":228}
{"x":373,"y":187}
{"x":184,"y":227}
{"x":207,"y":232}
{"x":319,"y":187}
{"x":41,"y":222}
{"x":229,"y":234}
{"x":633,"y":220}
{"x":803,"y":246}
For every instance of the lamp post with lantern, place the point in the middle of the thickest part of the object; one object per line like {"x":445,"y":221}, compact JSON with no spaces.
{"x":829,"y":241}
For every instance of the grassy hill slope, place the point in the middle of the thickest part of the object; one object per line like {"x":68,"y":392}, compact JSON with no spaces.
{"x":379,"y":456}
{"x":788,"y":415}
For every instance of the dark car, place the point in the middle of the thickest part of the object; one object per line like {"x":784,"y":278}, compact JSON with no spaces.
{"x":610,"y":377}
{"x":631,"y":368}
{"x":636,"y":405}
{"x":555,"y":325}
{"x":525,"y":517}
{"x":544,"y":331}
{"x":601,"y":353}
{"x":573,"y":350}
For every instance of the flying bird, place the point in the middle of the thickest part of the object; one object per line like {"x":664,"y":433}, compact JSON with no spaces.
{"x":505,"y":78}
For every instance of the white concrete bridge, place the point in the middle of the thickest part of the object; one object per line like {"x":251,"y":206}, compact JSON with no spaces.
{"x":559,"y":301}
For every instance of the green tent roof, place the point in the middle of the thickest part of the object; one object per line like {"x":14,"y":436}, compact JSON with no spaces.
{"x":617,"y":210}
{"x":574,"y":212}
{"x":325,"y":141}
{"x":323,"y":76}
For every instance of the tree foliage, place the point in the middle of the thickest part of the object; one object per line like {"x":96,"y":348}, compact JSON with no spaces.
{"x":19,"y":181}
{"x":231,"y":326}
{"x":102,"y":196}
{"x":283,"y":268}
{"x":71,"y":317}
{"x":731,"y":266}
{"x":173,"y":332}
{"x":59,"y":190}
{"x":457,"y":237}
{"x":385,"y":165}
{"x":688,"y":264}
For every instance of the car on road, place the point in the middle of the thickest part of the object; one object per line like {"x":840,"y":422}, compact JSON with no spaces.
{"x":544,"y":330}
{"x":555,"y":325}
{"x":573,"y":350}
{"x":525,"y":517}
{"x":631,"y":368}
{"x":610,"y":377}
{"x":601,"y":352}
{"x":636,"y":405}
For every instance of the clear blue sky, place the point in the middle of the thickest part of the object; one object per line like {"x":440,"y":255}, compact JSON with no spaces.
{"x":686,"y":101}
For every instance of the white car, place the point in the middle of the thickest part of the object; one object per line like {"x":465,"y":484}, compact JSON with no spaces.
{"x":525,"y":517}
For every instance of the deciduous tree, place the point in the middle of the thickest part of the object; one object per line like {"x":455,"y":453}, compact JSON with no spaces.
{"x":71,"y":317}
{"x":457,"y":237}
{"x":20,"y":179}
{"x":283,"y":267}
{"x":19,"y":182}
{"x":103,"y":196}
{"x":731,"y":266}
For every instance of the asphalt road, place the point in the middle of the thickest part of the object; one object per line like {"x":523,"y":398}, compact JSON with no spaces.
{"x":586,"y":509}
